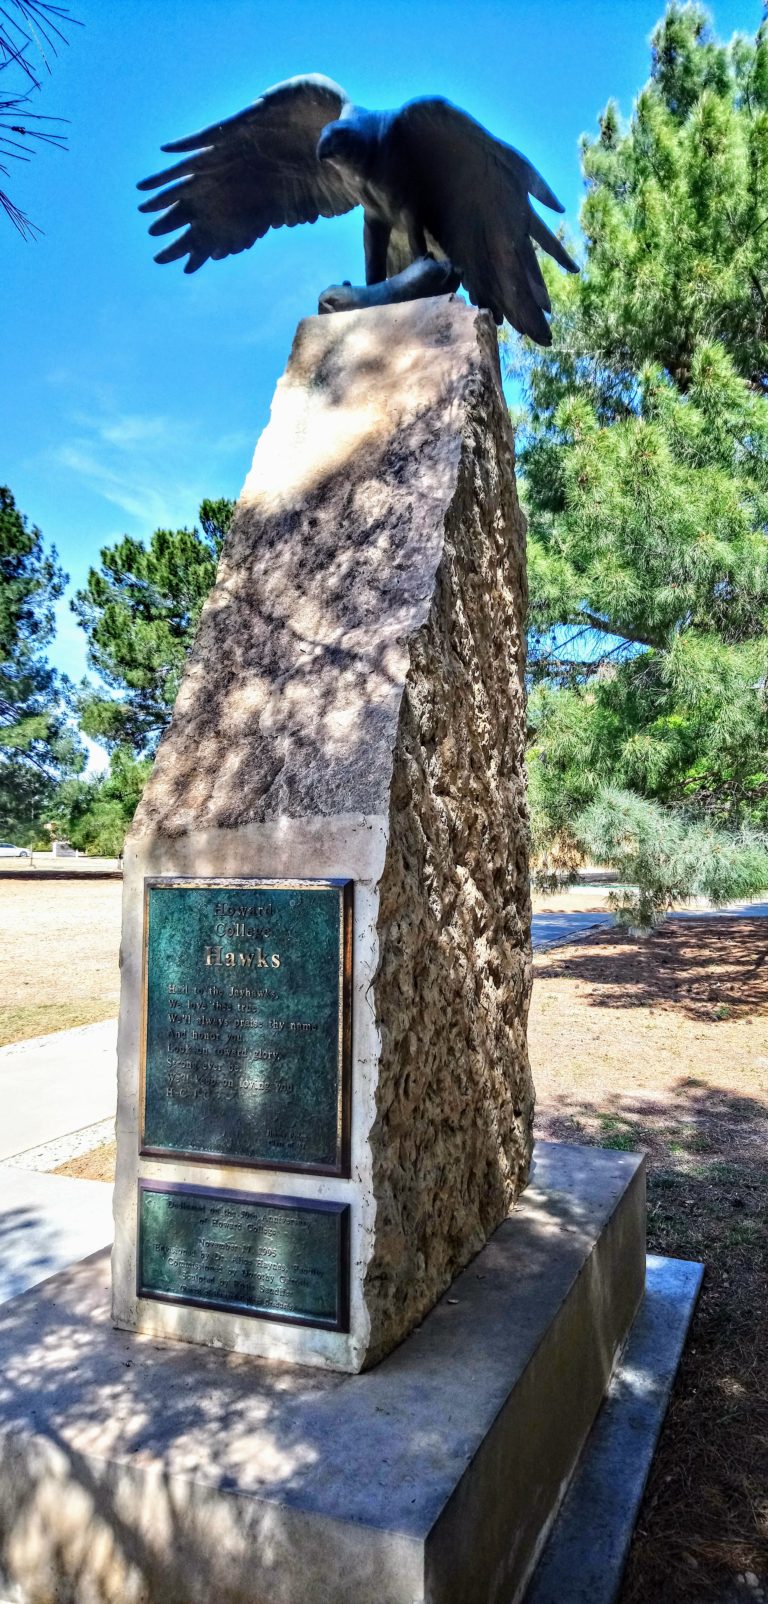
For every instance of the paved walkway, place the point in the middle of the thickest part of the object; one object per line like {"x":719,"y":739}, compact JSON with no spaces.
{"x":555,"y":929}
{"x":46,"y":1223}
{"x":56,"y":1084}
{"x":737,"y":910}
{"x":50,"y":1086}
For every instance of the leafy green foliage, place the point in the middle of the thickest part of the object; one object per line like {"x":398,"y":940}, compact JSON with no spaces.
{"x":644,"y":452}
{"x":37,"y":749}
{"x":667,"y":859}
{"x":94,"y":814}
{"x":139,"y":610}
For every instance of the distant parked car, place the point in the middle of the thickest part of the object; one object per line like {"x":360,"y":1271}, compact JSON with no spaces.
{"x":9,"y":851}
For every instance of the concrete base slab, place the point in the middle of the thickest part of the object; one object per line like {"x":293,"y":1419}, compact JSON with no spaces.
{"x":584,"y":1559}
{"x":47,"y":1222}
{"x":152,"y":1472}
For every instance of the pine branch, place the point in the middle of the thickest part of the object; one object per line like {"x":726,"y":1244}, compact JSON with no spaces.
{"x":26,"y":25}
{"x":606,"y":627}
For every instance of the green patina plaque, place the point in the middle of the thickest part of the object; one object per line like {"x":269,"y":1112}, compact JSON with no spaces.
{"x":278,"y":1258}
{"x":248,"y":1022}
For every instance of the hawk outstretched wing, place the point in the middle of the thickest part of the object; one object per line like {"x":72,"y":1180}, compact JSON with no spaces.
{"x":255,"y":171}
{"x":473,"y":194}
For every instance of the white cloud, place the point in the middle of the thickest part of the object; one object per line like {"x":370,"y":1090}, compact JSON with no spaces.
{"x":132,"y":490}
{"x":131,"y":430}
{"x":98,"y":761}
{"x":141,"y":463}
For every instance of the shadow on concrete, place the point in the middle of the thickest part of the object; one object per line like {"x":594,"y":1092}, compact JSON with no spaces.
{"x":117,"y":1448}
{"x":28,"y":1243}
{"x":46,"y":1223}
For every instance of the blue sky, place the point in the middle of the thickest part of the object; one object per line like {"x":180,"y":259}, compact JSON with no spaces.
{"x":130,"y":391}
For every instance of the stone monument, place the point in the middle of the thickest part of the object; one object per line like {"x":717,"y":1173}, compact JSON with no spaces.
{"x":325,"y":1104}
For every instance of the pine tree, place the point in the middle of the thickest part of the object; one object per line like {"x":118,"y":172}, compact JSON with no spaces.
{"x":139,"y":610}
{"x":37,"y":747}
{"x":644,"y":451}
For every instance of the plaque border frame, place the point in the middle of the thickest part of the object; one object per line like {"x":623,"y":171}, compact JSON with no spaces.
{"x":272,"y":1200}
{"x":342,"y":1169}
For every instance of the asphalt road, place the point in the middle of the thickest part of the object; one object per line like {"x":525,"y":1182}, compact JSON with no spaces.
{"x":547,"y":928}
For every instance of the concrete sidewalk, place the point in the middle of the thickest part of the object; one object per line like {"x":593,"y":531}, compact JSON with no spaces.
{"x":735,"y":910}
{"x":558,"y":928}
{"x":55,"y":1084}
{"x":46,"y":1223}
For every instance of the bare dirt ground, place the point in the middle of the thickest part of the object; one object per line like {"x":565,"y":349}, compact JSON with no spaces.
{"x":663,"y":1045}
{"x":98,"y":1165}
{"x":44,"y":862}
{"x":59,"y":946}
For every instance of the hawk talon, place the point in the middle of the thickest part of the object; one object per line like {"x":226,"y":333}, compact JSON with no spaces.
{"x":425,"y":277}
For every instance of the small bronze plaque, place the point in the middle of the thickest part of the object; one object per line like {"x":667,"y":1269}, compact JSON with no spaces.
{"x":248,"y":1023}
{"x":280,"y":1258}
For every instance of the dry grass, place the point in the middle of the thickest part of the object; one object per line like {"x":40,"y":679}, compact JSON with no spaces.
{"x":571,"y":899}
{"x":59,"y":946}
{"x":663,"y":1045}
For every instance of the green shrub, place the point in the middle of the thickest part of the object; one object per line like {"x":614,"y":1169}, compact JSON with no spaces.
{"x":666,"y":858}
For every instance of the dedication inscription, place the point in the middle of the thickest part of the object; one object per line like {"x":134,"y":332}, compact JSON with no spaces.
{"x":278,"y":1258}
{"x":247,"y":1036}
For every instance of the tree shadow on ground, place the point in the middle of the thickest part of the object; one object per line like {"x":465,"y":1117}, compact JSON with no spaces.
{"x":705,"y":968}
{"x":691,"y":1118}
{"x":704,"y":1518}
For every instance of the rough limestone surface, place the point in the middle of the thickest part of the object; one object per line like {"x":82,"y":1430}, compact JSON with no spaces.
{"x":452,"y":1138}
{"x":360,"y":663}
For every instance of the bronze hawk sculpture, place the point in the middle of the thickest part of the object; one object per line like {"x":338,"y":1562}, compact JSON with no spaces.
{"x":444,"y":202}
